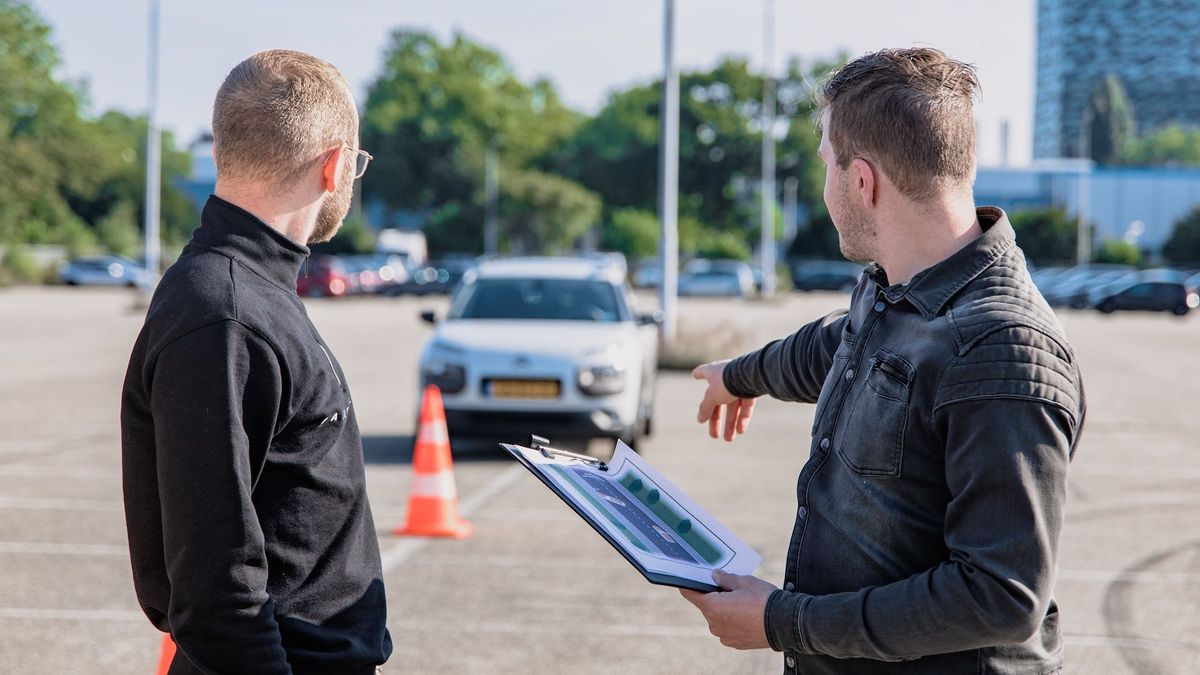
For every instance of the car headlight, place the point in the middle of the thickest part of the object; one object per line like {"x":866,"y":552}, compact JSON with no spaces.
{"x":451,"y":378}
{"x":602,"y":380}
{"x":603,"y":372}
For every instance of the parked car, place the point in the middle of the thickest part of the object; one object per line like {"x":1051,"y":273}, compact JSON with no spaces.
{"x":1072,"y":288}
{"x":1140,"y":294}
{"x":552,"y":346}
{"x":826,"y":275}
{"x":325,"y":275}
{"x":109,"y":270}
{"x":728,"y":278}
{"x":648,"y":273}
{"x":439,"y":276}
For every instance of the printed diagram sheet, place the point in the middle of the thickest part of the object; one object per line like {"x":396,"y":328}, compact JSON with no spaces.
{"x":658,"y":528}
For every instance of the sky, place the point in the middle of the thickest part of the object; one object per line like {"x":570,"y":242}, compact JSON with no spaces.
{"x":588,"y":48}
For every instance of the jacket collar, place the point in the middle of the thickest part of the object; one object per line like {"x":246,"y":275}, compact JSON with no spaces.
{"x":234,"y":232}
{"x":931,"y":289}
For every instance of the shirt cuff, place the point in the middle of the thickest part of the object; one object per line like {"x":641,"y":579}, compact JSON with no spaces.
{"x":783,"y":620}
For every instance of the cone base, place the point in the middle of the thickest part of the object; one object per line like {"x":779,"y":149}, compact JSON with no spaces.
{"x":460,"y":530}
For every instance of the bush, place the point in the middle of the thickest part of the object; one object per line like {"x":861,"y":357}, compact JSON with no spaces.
{"x":19,"y":266}
{"x":1184,"y":244}
{"x":633,"y":232}
{"x":1046,"y":236}
{"x":118,"y":230}
{"x":1118,"y":252}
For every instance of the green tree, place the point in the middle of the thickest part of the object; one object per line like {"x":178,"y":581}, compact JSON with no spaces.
{"x":1112,"y":122}
{"x":354,"y":237}
{"x":1183,"y":246}
{"x":1047,"y":236}
{"x":430,"y":116}
{"x":118,"y":230}
{"x":62,"y":172}
{"x":546,"y":213}
{"x":1173,"y":145}
{"x":1118,"y":252}
{"x":634,"y":232}
{"x":616,"y":152}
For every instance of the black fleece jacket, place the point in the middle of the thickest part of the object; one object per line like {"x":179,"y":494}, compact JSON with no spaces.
{"x":249,"y":530}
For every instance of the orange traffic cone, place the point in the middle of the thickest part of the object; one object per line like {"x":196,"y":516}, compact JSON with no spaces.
{"x":167,"y":656}
{"x":433,"y":502}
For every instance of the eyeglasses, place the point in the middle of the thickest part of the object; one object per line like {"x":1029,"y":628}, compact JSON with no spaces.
{"x":361,"y":159}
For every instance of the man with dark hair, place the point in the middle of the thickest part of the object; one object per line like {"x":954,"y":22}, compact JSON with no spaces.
{"x":245,"y":499}
{"x":948,"y":406}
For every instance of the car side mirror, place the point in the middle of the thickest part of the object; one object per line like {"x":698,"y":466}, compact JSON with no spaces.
{"x":655,"y":319}
{"x":429,"y":317}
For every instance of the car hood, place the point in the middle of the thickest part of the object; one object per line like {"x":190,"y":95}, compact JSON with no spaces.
{"x":560,"y":338}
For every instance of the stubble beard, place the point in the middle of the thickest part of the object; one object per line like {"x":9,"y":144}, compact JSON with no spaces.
{"x":333,"y":213}
{"x":856,"y":232}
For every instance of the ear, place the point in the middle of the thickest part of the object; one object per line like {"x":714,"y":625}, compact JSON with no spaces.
{"x":331,"y":169}
{"x":866,"y":181}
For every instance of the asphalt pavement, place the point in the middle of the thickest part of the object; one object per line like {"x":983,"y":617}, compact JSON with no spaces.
{"x":535,"y":590}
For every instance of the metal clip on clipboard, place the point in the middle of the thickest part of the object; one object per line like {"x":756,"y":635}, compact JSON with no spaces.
{"x":542,"y":445}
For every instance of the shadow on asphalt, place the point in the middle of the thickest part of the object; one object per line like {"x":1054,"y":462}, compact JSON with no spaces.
{"x":399,"y":449}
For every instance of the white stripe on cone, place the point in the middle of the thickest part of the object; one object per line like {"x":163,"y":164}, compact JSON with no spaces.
{"x":439,"y":485}
{"x":434,"y":434}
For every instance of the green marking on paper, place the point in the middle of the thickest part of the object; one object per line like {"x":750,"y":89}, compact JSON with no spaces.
{"x":710,"y":550}
{"x":581,"y":489}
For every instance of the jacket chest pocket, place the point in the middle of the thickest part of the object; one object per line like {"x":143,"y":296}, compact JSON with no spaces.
{"x":872,"y":442}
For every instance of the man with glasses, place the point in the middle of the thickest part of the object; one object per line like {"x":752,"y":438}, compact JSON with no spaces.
{"x":250,"y":534}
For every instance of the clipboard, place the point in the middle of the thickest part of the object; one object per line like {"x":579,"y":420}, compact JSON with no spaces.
{"x":654,"y":525}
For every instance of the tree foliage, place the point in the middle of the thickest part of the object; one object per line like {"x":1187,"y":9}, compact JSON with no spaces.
{"x":429,"y":118}
{"x":1046,"y":236}
{"x":1183,"y":246}
{"x":1118,"y":252}
{"x":1112,"y":122}
{"x":1172,"y":145}
{"x":63,"y":172}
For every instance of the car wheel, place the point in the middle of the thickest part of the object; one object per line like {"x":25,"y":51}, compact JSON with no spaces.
{"x":1181,"y":310}
{"x":1107,"y":307}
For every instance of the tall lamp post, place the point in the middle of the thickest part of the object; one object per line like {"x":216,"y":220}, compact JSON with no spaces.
{"x":668,"y":177}
{"x":153,"y":155}
{"x":767,"y":243}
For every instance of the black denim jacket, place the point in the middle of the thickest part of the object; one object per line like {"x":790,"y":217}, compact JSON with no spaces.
{"x":931,"y":504}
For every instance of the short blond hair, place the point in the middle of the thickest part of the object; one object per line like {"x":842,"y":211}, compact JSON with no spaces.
{"x":276,"y":113}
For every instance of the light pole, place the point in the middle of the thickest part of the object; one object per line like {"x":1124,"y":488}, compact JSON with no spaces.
{"x":153,"y":155}
{"x":767,"y":243}
{"x":491,"y":189}
{"x":1083,"y":240}
{"x":668,"y":177}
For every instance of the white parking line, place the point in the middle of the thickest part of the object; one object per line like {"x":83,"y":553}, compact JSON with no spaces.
{"x":49,"y":504}
{"x":37,"y":548}
{"x":406,"y":548}
{"x":35,"y":614}
{"x":55,"y":471}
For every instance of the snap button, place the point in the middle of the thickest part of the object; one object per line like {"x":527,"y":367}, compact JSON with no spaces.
{"x":825,"y":443}
{"x":802,"y":513}
{"x":879,"y":306}
{"x":850,"y":374}
{"x":791,"y":662}
{"x":789,"y":586}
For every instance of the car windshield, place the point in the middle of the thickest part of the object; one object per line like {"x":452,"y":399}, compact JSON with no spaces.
{"x":539,"y":299}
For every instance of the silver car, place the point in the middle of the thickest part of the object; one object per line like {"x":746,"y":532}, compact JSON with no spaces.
{"x":109,"y":270}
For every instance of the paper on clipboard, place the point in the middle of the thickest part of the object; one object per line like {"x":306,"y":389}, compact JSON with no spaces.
{"x":669,"y":538}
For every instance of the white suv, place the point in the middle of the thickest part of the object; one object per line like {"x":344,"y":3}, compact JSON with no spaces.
{"x":549,"y":346}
